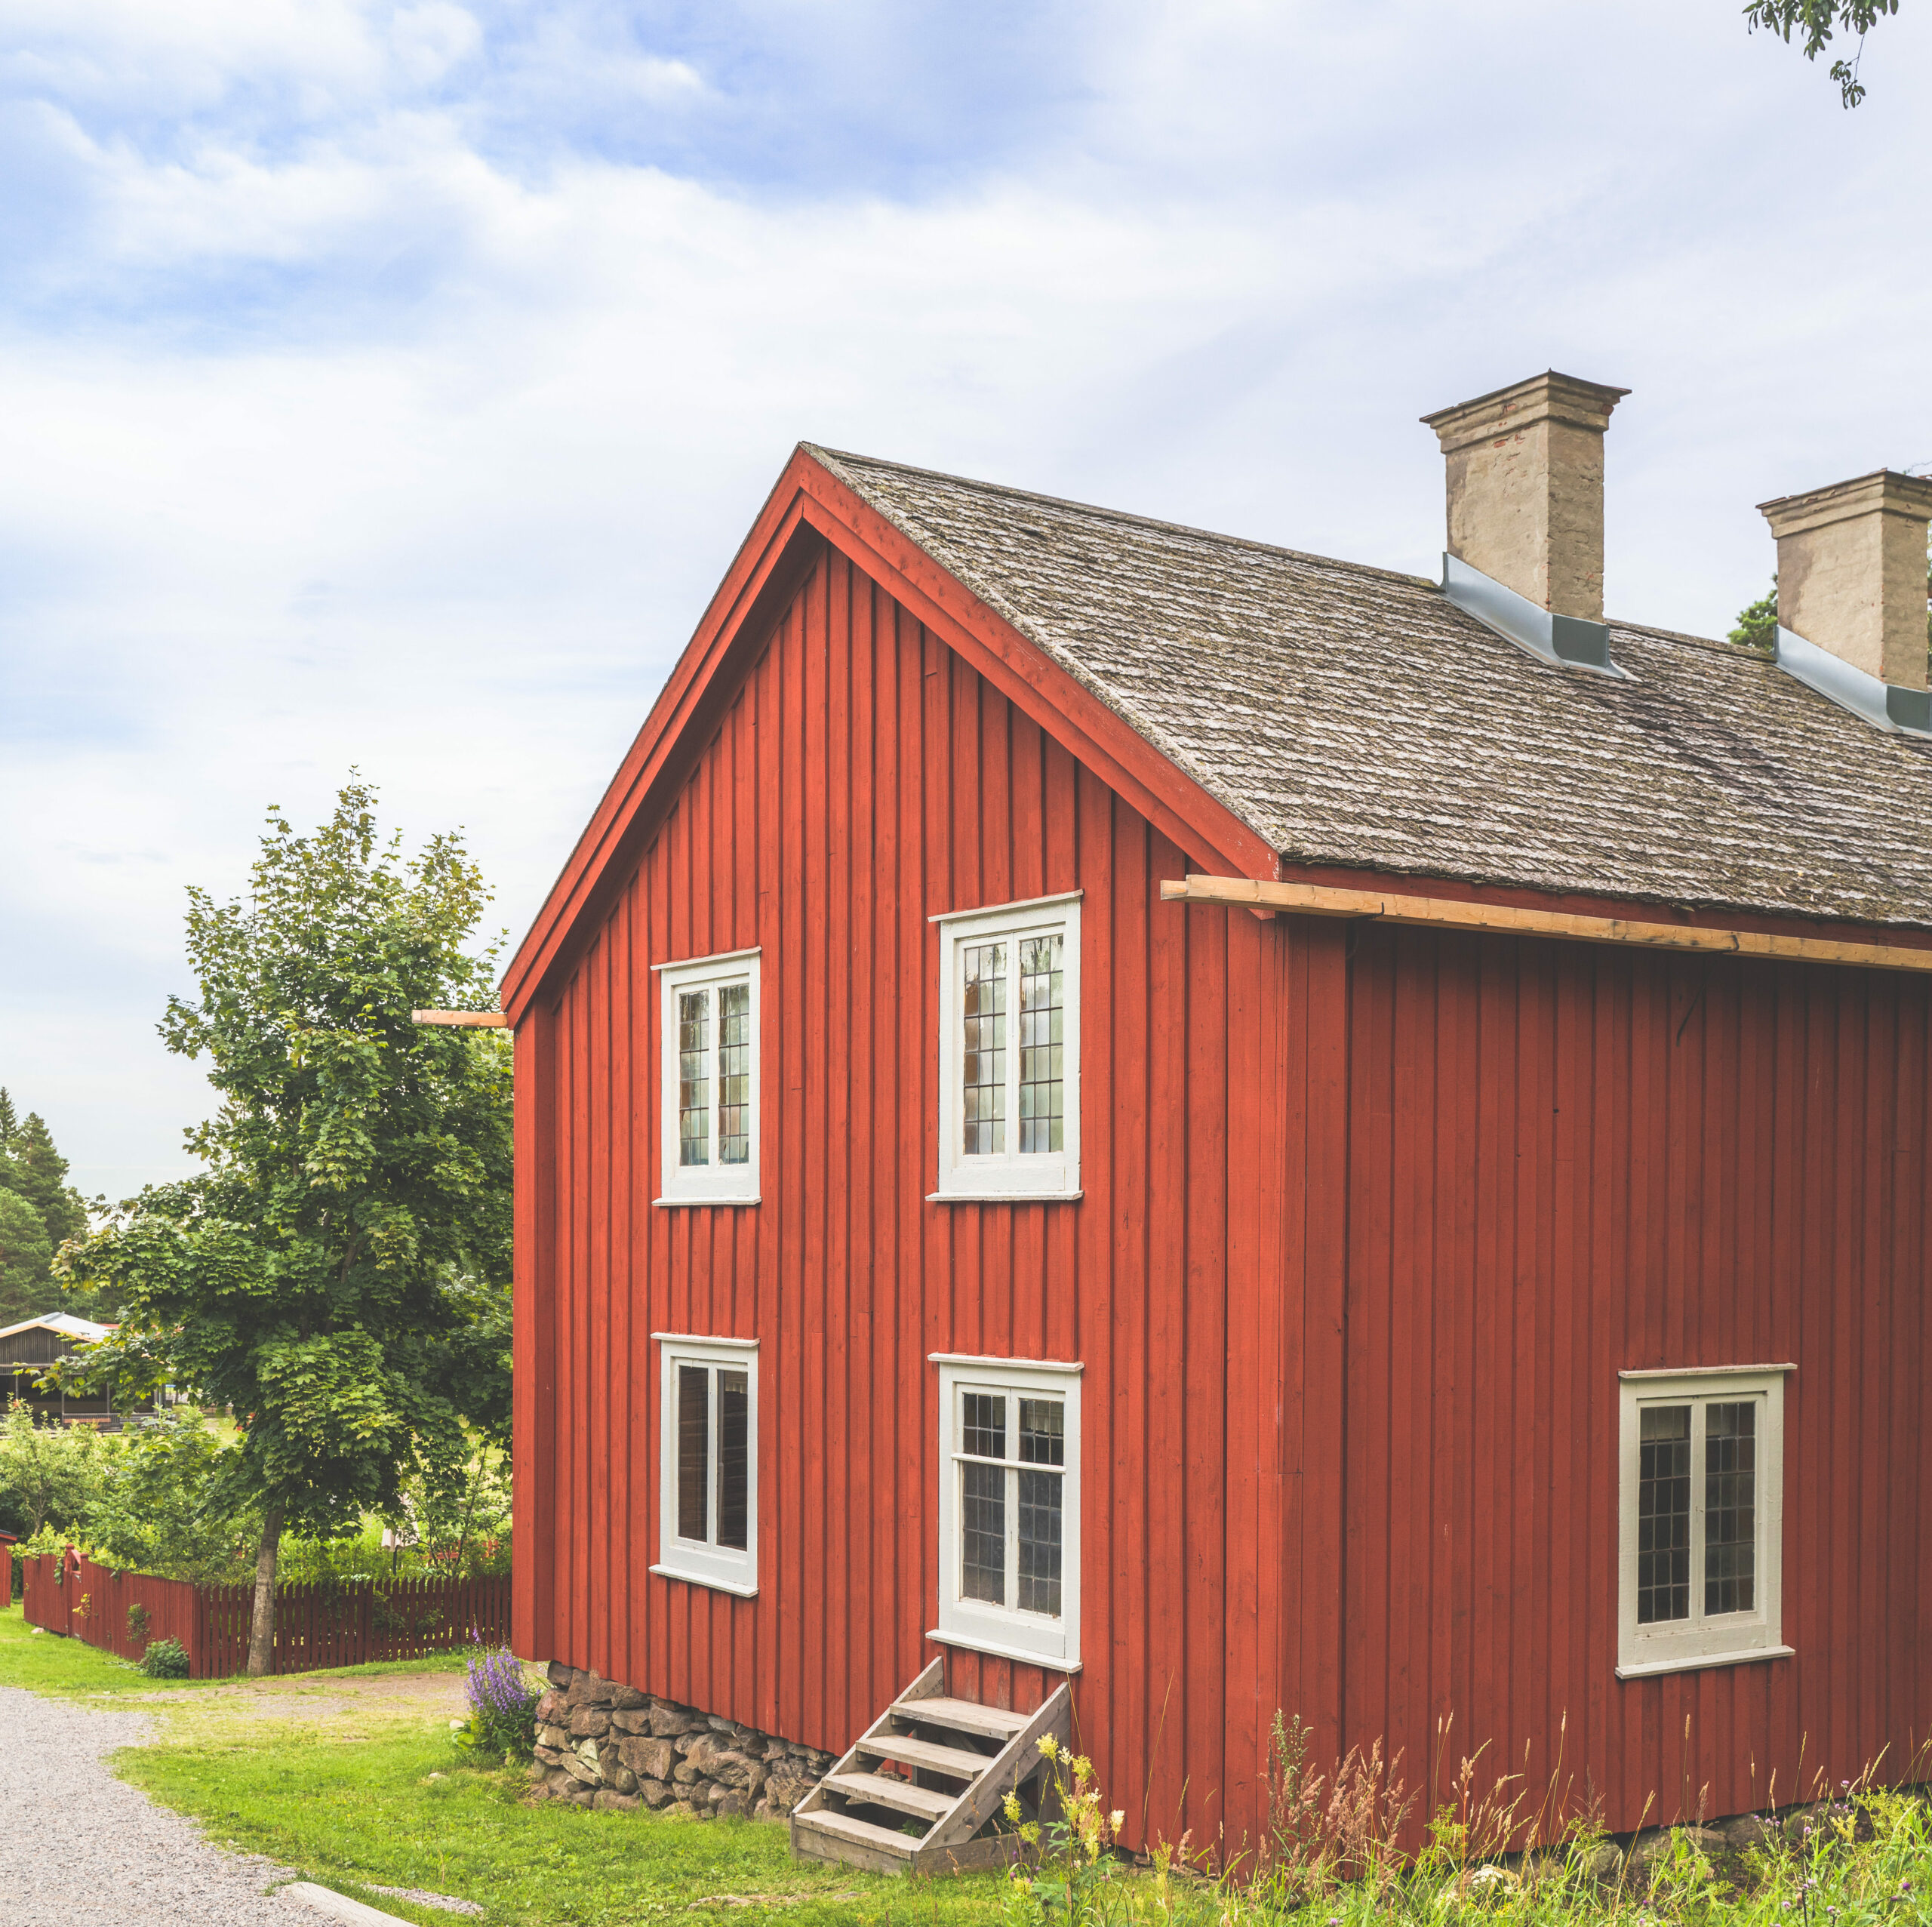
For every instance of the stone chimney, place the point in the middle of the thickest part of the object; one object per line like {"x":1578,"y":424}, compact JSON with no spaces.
{"x":1525,"y":474}
{"x":1851,"y":572}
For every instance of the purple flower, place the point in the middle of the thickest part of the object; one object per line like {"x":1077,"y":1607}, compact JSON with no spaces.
{"x":496,"y":1685}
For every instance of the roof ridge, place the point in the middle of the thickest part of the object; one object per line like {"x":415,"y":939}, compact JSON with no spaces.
{"x":1651,"y":630}
{"x":1653,"y":633}
{"x":1124,"y":515}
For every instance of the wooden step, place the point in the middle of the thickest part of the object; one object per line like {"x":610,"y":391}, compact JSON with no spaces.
{"x":961,"y":1766}
{"x":860,"y":1833}
{"x":882,"y":1789}
{"x":996,"y":1722}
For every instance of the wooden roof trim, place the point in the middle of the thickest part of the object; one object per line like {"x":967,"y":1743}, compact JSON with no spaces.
{"x":1184,"y":812}
{"x":1442,"y":912}
{"x":808,"y":508}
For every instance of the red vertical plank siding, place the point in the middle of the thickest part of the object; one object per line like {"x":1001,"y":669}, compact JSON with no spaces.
{"x":1372,"y":1220}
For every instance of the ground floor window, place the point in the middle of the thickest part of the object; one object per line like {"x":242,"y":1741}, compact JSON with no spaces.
{"x":708,"y":1461}
{"x":1009,"y":1508}
{"x":1700,"y":1518}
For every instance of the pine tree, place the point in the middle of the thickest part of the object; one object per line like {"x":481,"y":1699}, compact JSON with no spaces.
{"x":31,"y":1166}
{"x":27,"y":1284}
{"x":39,"y":1211}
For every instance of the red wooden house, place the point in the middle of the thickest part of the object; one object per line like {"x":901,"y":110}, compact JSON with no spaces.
{"x":1113,"y":1107}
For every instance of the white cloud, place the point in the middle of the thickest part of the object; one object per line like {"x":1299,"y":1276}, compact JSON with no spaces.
{"x":367,"y":444}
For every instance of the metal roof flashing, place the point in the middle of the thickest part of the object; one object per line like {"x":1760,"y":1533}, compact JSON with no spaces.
{"x":1560,"y":641}
{"x":1887,"y":706}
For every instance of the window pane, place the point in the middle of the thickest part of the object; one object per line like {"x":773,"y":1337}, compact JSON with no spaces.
{"x":1042,"y":1073}
{"x":694,"y":1450}
{"x":983,"y":1081}
{"x":1042,"y":1431}
{"x":1039,"y":1542}
{"x":982,"y":1533}
{"x":1730,"y":1496}
{"x":1663,"y":1514}
{"x":693,"y":1077}
{"x":734,"y":1073}
{"x":734,"y":1409}
{"x":984,"y":1427}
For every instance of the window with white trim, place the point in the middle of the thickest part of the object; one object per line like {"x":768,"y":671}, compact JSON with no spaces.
{"x":1700,"y":1519}
{"x":709,"y":1062}
{"x":1009,"y":1508}
{"x":1009,"y":1081}
{"x":707,"y":1484}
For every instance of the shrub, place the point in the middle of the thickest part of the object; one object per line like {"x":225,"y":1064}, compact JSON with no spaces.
{"x":166,"y":1659}
{"x":137,"y":1621}
{"x":502,"y":1707}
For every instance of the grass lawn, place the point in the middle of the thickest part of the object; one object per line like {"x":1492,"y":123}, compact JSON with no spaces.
{"x":350,"y":1776}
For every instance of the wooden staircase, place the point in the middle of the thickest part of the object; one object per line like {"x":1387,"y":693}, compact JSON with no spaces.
{"x":917,"y":1791}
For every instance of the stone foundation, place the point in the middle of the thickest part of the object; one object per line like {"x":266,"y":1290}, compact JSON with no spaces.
{"x":602,"y":1744}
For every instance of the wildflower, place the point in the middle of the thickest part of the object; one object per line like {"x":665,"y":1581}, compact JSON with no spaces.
{"x":1049,"y":1746}
{"x":1117,"y":1819}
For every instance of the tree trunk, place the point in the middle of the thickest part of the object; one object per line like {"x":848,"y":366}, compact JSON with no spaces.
{"x":261,"y":1628}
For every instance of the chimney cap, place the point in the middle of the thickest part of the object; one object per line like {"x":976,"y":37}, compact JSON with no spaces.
{"x":1545,"y":397}
{"x":1885,"y":490}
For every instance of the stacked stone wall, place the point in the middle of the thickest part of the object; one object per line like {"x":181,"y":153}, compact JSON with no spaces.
{"x":602,"y":1744}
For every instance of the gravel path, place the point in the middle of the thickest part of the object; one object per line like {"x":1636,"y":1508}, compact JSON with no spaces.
{"x":80,"y":1848}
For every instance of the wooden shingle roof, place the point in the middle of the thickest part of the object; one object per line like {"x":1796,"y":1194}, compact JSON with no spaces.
{"x":1354,"y":716}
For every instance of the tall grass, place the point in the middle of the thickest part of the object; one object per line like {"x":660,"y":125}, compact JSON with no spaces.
{"x":1859,"y":1855}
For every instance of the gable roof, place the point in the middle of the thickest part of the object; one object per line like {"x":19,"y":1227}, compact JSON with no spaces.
{"x":1354,"y":717}
{"x":64,"y":1322}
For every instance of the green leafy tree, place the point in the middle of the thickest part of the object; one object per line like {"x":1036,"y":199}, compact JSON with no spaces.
{"x":27,"y":1285}
{"x":338,"y":1275}
{"x":165,"y":1507}
{"x":52,"y":1472}
{"x":1758,"y":622}
{"x":1813,"y":23}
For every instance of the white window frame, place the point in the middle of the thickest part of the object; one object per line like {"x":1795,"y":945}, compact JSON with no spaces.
{"x":712,"y":1183}
{"x":723,"y":1567}
{"x":1005,"y":1631}
{"x":1729,"y":1638}
{"x":1010,"y":1174}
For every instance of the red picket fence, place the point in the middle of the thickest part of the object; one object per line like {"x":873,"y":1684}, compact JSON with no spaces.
{"x":316,"y":1626}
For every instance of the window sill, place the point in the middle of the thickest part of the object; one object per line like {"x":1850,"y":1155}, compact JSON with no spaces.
{"x":682,"y":1204}
{"x":1004,"y":1197}
{"x":711,"y":1580}
{"x":999,"y":1652}
{"x":1696,"y":1662}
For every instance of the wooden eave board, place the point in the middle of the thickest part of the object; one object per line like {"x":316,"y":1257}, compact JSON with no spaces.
{"x":1706,"y":936}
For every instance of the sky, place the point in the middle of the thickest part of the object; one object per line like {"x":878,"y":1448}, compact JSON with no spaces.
{"x":387,"y":387}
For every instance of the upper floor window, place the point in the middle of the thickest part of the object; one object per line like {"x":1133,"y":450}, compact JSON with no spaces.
{"x":1009,"y":1077}
{"x":708,"y":1051}
{"x":1700,"y":1519}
